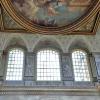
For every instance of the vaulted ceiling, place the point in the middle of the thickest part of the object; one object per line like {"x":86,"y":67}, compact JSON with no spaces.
{"x":69,"y":17}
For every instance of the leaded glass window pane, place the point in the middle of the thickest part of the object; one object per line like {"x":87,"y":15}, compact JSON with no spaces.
{"x":80,"y":65}
{"x":48,"y":65}
{"x":15,"y":64}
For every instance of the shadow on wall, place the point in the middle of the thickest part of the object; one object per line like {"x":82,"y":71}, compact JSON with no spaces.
{"x":79,"y":45}
{"x":47,"y":43}
{"x":16,"y":42}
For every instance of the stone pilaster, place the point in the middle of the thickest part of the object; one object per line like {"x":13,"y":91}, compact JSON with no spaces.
{"x":67,"y":70}
{"x":1,"y":67}
{"x":97,"y":63}
{"x":29,"y":70}
{"x":93,"y":67}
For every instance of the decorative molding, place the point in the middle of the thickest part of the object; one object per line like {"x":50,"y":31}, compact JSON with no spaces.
{"x":4,"y":90}
{"x":97,"y":22}
{"x":1,"y":19}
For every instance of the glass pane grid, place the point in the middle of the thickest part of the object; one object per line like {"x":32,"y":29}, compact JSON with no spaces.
{"x":80,"y":65}
{"x":15,"y":65}
{"x":48,"y":67}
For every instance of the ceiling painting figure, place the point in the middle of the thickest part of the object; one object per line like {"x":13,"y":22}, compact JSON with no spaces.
{"x":52,"y":13}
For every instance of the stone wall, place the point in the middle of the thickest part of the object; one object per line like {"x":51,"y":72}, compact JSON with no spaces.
{"x":49,"y":97}
{"x":65,"y":43}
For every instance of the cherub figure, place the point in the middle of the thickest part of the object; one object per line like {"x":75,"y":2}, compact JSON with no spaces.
{"x":48,"y":5}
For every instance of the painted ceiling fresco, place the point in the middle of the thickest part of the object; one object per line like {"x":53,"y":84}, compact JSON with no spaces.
{"x":52,"y":13}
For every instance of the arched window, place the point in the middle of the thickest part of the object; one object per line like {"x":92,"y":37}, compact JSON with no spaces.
{"x":48,"y":65}
{"x":80,"y":65}
{"x":15,"y":64}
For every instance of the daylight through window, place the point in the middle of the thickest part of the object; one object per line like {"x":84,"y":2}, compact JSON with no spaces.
{"x":15,"y":64}
{"x":48,"y":66}
{"x":80,"y":65}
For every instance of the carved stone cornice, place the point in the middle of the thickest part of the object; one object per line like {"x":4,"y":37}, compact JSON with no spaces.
{"x":48,"y":91}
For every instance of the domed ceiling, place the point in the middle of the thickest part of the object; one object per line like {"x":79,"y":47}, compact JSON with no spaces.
{"x":51,"y":15}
